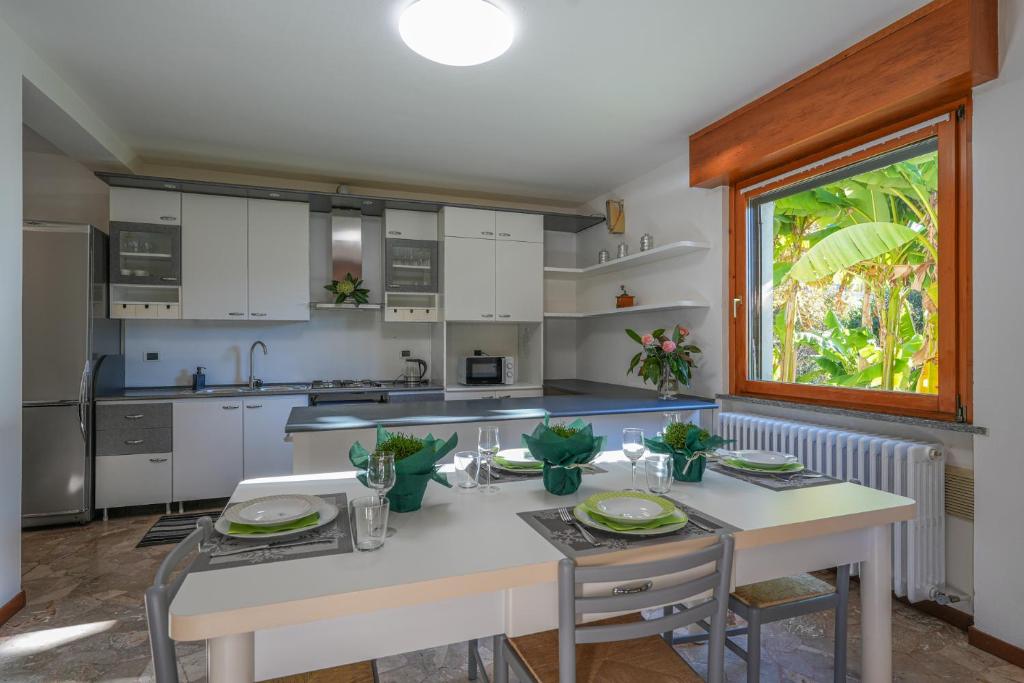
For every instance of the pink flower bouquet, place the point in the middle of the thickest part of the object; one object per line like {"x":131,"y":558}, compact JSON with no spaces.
{"x":664,"y":357}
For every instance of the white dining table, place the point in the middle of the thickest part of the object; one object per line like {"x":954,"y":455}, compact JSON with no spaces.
{"x":467,"y":566}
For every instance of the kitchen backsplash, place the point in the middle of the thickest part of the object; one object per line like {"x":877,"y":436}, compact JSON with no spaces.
{"x":332,"y":345}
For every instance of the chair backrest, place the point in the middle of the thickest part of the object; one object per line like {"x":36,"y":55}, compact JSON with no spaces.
{"x":571,"y":603}
{"x":159,"y":597}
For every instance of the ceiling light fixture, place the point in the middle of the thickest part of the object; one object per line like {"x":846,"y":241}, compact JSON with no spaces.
{"x":456,"y":32}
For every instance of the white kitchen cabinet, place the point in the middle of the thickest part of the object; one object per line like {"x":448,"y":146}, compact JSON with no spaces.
{"x":497,"y":391}
{"x":214,"y":258}
{"x":208,"y":443}
{"x":469,"y":279}
{"x":137,"y":479}
{"x":459,"y":222}
{"x":410,"y":225}
{"x":519,"y":282}
{"x":132,"y":205}
{"x":521,"y":227}
{"x":266,"y":453}
{"x":278,"y":260}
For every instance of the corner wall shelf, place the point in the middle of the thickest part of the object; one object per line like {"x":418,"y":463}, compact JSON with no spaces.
{"x":643,"y":257}
{"x":683,"y":303}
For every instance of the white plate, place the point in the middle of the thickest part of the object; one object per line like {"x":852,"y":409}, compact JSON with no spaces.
{"x":328,"y":513}
{"x":519,"y":456}
{"x":581,"y":514}
{"x":771,"y":458}
{"x":269,"y":510}
{"x":747,"y":470}
{"x":627,"y":507}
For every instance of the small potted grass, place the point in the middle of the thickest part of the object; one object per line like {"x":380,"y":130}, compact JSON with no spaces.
{"x":415,"y":465}
{"x":563,"y":448}
{"x":688,"y":445}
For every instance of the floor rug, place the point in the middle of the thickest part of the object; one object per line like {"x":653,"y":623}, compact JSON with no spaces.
{"x":173,"y":528}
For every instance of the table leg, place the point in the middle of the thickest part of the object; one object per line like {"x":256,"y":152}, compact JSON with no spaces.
{"x":230,"y":659}
{"x":876,"y":607}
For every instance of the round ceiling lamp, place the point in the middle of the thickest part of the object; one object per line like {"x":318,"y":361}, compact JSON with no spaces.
{"x":456,"y":32}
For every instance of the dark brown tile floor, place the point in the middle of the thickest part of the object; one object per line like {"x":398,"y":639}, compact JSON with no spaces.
{"x":85,"y":622}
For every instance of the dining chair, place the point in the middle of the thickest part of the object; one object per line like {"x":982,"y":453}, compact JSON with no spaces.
{"x":158,"y":600}
{"x":792,"y":596}
{"x":628,"y":647}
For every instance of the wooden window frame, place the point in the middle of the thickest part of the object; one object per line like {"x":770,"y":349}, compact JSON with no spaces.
{"x":953,"y":402}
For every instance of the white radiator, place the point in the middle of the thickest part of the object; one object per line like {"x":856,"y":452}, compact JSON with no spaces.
{"x":907,"y":468}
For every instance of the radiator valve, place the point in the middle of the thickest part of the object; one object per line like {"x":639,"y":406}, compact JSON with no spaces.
{"x":942,"y":597}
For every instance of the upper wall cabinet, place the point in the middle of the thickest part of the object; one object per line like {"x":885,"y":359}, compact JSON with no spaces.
{"x":410,"y":225}
{"x":214,"y":261}
{"x":131,"y":205}
{"x":519,"y":227}
{"x":485,"y":224}
{"x":244,"y":259}
{"x":278,"y":260}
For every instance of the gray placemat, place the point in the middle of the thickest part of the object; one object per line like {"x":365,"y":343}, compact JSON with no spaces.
{"x":504,"y":476}
{"x":570,"y":541}
{"x":336,"y":536}
{"x":778,"y":482}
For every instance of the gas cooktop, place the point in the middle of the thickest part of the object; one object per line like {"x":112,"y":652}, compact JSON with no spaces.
{"x":364,"y":383}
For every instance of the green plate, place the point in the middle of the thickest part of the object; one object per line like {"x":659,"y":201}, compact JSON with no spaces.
{"x":679,"y":520}
{"x":741,"y":466}
{"x":629,"y":507}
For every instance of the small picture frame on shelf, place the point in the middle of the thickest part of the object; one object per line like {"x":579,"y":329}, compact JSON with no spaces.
{"x":616,"y":216}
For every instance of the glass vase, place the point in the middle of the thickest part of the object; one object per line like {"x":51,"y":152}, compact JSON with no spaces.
{"x":667,"y":384}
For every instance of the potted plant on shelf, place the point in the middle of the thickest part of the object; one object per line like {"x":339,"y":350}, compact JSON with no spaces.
{"x":688,"y":445}
{"x":415,"y":465}
{"x":349,"y":288}
{"x":664,"y":359}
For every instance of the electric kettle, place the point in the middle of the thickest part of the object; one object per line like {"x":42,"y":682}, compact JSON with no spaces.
{"x":415,"y":371}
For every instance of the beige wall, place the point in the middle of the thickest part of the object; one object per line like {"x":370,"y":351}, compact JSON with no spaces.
{"x":55,"y":187}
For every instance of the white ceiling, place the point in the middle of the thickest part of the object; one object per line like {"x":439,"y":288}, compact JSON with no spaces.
{"x":592,"y":93}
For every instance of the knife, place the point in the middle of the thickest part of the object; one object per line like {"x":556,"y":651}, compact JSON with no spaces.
{"x":270,"y":546}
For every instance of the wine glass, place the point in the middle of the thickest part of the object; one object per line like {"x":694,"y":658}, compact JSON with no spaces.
{"x":488,"y":446}
{"x":633,"y":446}
{"x":381,"y":475}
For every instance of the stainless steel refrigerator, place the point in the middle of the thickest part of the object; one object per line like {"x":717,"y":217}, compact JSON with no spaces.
{"x":66,"y":330}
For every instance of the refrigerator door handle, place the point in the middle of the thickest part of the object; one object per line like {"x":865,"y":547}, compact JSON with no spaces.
{"x":82,"y":406}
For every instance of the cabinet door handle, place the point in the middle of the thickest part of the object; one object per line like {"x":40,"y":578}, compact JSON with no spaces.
{"x":633,"y":590}
{"x":158,"y":459}
{"x":504,"y":315}
{"x":486,"y":315}
{"x":229,"y":407}
{"x":236,"y":313}
{"x":168,"y":218}
{"x":136,"y":416}
{"x":169,"y":279}
{"x":394,"y":232}
{"x":258,"y":315}
{"x":133,"y":442}
{"x":505,"y":396}
{"x":504,"y":234}
{"x":486,"y":232}
{"x":254,"y":405}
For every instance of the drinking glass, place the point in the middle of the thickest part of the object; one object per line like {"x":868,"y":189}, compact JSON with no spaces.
{"x":658,"y":468}
{"x":369,"y":517}
{"x":488,"y":446}
{"x":670,"y":419}
{"x":633,"y":446}
{"x":466,"y":469}
{"x":381,"y":475}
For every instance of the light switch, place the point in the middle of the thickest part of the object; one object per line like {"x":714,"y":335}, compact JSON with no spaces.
{"x":152,"y":356}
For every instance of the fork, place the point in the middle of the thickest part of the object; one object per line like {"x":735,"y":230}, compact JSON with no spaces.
{"x":567,"y":517}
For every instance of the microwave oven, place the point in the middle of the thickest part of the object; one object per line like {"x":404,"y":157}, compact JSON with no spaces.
{"x":486,"y":370}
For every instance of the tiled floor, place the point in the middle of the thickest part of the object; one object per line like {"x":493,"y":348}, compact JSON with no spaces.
{"x":85,"y":622}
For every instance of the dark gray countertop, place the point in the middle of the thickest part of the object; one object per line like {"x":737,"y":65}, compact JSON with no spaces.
{"x":576,"y":387}
{"x":235,"y":390}
{"x":606,"y":399}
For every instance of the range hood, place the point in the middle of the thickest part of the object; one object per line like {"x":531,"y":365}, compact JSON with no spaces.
{"x":357,"y":248}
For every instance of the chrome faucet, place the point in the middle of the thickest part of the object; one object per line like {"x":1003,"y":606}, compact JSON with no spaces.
{"x":253,"y":382}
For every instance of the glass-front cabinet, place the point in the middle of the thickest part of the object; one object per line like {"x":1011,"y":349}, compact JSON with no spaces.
{"x":411,"y":265}
{"x":145,"y":254}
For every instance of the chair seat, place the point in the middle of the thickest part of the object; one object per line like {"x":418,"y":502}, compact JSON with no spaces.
{"x":360,"y":672}
{"x":781,"y":591}
{"x":649,"y":659}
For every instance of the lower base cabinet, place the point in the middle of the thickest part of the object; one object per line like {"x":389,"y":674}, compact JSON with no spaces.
{"x":140,"y":479}
{"x":266,"y":453}
{"x":207,"y":448}
{"x":497,"y":392}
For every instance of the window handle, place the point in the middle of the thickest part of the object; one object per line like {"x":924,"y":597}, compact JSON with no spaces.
{"x":735,"y":306}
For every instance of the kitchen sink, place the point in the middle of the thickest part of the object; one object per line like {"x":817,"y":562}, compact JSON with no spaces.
{"x":222,"y":391}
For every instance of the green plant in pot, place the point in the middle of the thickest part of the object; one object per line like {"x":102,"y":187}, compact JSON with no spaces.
{"x":415,"y":465}
{"x":687,"y":444}
{"x":563,"y":448}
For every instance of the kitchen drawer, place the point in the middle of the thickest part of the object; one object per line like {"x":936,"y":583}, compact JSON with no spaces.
{"x":131,"y":441}
{"x":133,"y":415}
{"x":141,"y":479}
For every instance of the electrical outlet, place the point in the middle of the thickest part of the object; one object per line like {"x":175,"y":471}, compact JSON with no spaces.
{"x":151,"y":356}
{"x":406,"y":353}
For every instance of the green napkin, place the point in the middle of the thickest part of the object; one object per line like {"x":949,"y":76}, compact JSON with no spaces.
{"x":253,"y":530}
{"x":412,"y":474}
{"x":561,"y":456}
{"x":509,"y":465}
{"x":791,"y":467}
{"x":630,"y":526}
